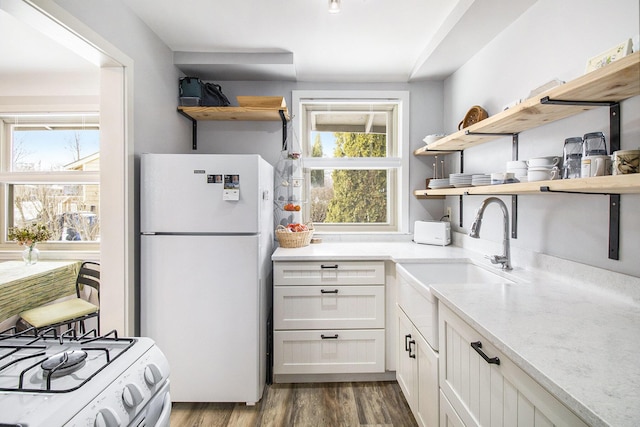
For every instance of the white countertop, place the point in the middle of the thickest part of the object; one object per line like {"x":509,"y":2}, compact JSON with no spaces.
{"x":579,"y":341}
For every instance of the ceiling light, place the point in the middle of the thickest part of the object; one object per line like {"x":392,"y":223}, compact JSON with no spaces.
{"x":334,"y":6}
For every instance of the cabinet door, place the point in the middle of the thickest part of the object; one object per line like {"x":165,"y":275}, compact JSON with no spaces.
{"x":448,"y":415}
{"x":491,"y":394}
{"x":328,"y":273}
{"x":428,"y":390}
{"x":328,"y":307}
{"x":406,"y":366}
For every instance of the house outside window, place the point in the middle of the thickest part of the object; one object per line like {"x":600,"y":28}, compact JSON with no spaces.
{"x":50,"y":174}
{"x":354,"y":159}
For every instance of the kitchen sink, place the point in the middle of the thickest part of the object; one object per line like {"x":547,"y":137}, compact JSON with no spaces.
{"x":431,"y":274}
{"x":414,"y":290}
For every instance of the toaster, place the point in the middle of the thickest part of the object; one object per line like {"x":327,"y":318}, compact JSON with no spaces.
{"x":432,"y":232}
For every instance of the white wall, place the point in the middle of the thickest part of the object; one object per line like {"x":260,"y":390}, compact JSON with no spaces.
{"x":157,"y":126}
{"x":551,"y":40}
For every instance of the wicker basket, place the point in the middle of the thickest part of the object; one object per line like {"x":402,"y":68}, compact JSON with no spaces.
{"x":288,"y":239}
{"x":473,"y":116}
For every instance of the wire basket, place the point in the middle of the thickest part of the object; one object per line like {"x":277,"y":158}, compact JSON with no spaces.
{"x":288,"y":239}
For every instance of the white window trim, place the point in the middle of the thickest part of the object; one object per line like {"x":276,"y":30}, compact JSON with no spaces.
{"x":399,"y":97}
{"x":63,"y":249}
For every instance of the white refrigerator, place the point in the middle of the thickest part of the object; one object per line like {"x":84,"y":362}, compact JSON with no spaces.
{"x":205,"y":293}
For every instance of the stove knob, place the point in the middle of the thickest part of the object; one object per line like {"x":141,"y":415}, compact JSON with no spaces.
{"x":152,"y":374}
{"x":107,"y":417}
{"x":132,"y":395}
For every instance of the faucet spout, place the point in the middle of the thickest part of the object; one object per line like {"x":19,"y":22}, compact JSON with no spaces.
{"x":505,"y":258}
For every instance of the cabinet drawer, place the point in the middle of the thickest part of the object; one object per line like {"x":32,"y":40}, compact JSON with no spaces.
{"x":340,"y":351}
{"x":491,"y":394}
{"x":328,"y":307}
{"x":328,"y":272}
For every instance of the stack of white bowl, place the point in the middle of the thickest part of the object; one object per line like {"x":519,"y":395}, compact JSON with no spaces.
{"x":519,"y":169}
{"x":460,"y":179}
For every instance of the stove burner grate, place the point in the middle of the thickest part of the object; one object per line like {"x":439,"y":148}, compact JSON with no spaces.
{"x":57,"y":364}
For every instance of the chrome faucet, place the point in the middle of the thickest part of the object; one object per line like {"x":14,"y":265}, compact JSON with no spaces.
{"x":505,"y":258}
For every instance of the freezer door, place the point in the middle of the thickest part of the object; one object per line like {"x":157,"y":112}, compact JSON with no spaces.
{"x":184,"y":193}
{"x":202,"y":301}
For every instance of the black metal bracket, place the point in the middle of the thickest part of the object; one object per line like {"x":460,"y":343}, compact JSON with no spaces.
{"x":194,"y":129}
{"x":614,"y":116}
{"x":284,"y":129}
{"x":614,"y":218}
{"x":461,"y":203}
{"x":514,"y":216}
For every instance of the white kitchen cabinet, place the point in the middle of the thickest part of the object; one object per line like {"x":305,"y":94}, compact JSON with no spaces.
{"x":417,"y":372}
{"x":328,"y":351}
{"x":448,"y":416}
{"x":296,"y":273}
{"x":328,"y":317}
{"x":491,"y":390}
{"x":322,"y":307}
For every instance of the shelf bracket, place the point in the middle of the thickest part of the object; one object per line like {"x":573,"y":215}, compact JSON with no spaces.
{"x":614,"y":218}
{"x":194,"y":129}
{"x":514,"y":216}
{"x":284,"y":129}
{"x":614,"y":116}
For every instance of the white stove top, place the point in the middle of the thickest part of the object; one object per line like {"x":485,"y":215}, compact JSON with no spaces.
{"x":108,"y":377}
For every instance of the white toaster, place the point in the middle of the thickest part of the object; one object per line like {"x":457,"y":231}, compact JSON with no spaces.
{"x":432,"y":232}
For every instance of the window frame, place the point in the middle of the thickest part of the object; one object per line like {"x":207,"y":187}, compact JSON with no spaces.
{"x":8,"y":122}
{"x":397,"y":162}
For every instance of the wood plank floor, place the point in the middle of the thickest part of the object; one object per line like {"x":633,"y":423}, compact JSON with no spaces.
{"x":305,"y":405}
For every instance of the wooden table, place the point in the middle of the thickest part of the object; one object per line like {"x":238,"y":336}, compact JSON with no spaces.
{"x":23,"y":287}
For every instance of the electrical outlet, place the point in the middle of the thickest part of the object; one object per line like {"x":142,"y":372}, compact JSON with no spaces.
{"x":449,"y":213}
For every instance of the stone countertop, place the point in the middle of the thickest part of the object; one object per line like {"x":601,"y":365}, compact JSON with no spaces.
{"x":395,"y":251}
{"x":578,"y":340}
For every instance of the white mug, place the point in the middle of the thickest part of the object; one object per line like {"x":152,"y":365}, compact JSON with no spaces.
{"x":543,"y":162}
{"x":543,"y":174}
{"x":599,"y":165}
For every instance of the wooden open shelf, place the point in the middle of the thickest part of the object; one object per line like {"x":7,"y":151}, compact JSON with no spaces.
{"x":615,"y":82}
{"x":253,"y":108}
{"x":236,"y":113}
{"x":616,"y":184}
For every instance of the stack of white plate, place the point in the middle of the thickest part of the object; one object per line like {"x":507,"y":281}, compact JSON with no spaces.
{"x":439,"y":183}
{"x":481,"y":179}
{"x":460,"y":179}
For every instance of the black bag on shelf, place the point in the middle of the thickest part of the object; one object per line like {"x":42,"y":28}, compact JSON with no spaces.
{"x":190,"y":87}
{"x":212,"y":96}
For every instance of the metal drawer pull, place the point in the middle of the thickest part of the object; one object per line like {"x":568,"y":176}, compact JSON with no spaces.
{"x":406,"y":342}
{"x":491,"y":360}
{"x":335,"y":291}
{"x":413,"y":356}
{"x":335,"y":266}
{"x":332,"y":337}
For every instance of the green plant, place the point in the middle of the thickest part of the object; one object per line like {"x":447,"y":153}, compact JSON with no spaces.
{"x":30,"y":234}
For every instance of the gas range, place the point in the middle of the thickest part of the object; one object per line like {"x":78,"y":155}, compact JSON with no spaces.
{"x":50,"y":380}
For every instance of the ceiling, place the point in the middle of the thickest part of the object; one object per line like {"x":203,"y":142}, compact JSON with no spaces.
{"x":295,"y":40}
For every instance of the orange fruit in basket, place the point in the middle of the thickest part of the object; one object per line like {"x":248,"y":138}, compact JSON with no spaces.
{"x":297,"y":207}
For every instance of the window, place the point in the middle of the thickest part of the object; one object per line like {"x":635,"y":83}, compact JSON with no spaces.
{"x":352,"y":151}
{"x":50,"y":175}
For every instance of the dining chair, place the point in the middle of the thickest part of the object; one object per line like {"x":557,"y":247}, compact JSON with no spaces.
{"x":72,"y":311}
